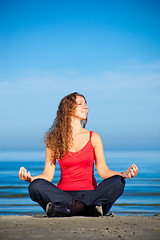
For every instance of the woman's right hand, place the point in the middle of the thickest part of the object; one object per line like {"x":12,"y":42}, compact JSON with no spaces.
{"x":24,"y":175}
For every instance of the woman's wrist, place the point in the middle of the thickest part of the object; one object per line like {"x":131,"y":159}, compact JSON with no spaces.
{"x":29,"y":179}
{"x":123,"y":174}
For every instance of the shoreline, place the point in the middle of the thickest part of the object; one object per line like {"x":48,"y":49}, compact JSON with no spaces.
{"x":79,"y":227}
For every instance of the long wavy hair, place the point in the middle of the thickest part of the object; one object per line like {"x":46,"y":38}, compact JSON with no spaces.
{"x":59,"y":137}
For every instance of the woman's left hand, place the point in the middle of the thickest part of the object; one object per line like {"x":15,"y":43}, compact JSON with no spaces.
{"x":131,"y":172}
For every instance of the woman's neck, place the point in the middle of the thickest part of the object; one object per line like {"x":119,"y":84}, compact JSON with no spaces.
{"x":76,"y":126}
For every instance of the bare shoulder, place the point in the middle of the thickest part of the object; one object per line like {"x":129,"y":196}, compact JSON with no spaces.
{"x":85,"y":130}
{"x":96,"y":139}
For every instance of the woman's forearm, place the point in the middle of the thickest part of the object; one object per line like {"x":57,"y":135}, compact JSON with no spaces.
{"x":129,"y":173}
{"x":109,"y":173}
{"x":43,"y":176}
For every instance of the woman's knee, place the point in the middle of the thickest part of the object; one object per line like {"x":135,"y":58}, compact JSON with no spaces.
{"x":35,"y":188}
{"x":116,"y":182}
{"x":119,"y":183}
{"x":117,"y":186}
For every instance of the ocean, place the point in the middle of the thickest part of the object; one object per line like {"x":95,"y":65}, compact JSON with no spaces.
{"x":141,"y":195}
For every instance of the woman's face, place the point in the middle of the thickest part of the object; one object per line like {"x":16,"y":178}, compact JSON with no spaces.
{"x":81,"y":110}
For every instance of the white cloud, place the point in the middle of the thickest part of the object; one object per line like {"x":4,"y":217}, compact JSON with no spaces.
{"x":35,"y":88}
{"x":119,"y":101}
{"x":136,"y":65}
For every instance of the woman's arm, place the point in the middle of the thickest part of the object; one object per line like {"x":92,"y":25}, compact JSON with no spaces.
{"x":101,"y":165}
{"x":47,"y":174}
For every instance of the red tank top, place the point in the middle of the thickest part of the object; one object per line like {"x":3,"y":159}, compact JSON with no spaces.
{"x":77,"y":169}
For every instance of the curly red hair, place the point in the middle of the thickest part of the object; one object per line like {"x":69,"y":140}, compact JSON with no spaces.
{"x":59,"y":136}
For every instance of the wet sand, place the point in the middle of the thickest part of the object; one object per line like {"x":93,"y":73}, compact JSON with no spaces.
{"x":78,"y":228}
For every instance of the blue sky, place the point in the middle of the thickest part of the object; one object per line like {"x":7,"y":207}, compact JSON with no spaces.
{"x":107,"y":50}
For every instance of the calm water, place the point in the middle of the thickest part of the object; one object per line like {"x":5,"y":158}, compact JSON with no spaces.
{"x":141,"y":195}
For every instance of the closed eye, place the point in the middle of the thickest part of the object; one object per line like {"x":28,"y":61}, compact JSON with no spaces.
{"x":80,"y":103}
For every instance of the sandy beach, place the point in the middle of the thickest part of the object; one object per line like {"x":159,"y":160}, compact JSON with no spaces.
{"x":106,"y":227}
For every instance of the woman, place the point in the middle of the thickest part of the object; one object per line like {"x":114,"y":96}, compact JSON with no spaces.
{"x":75,"y":148}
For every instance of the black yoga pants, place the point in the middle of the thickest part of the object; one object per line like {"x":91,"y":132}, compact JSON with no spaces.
{"x":105,"y":194}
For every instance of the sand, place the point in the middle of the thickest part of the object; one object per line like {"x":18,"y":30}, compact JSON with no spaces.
{"x":77,"y":228}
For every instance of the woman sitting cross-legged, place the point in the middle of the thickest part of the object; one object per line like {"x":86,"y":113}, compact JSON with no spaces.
{"x":76,"y":149}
